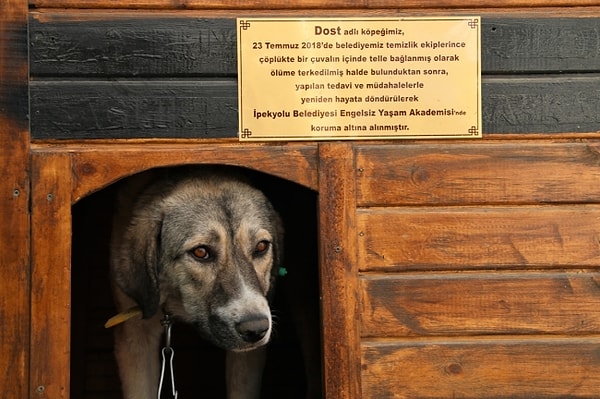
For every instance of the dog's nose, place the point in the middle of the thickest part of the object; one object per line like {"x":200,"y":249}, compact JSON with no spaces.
{"x":253,"y":328}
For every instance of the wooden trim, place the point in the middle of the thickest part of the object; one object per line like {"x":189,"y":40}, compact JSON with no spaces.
{"x":95,"y":165}
{"x":303,"y":4}
{"x":51,"y":275}
{"x":339,"y":271}
{"x":14,"y":201}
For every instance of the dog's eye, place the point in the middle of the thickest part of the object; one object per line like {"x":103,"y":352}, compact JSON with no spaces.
{"x":261,"y":247}
{"x":201,"y":253}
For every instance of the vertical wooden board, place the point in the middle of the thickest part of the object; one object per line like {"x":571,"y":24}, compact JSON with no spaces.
{"x":516,"y":368}
{"x":460,"y":304}
{"x":451,"y":238}
{"x":14,"y":201}
{"x":490,"y":172}
{"x":338,"y":271}
{"x":51,"y":275}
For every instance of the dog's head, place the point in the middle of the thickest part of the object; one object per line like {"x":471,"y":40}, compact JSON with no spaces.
{"x":206,"y":248}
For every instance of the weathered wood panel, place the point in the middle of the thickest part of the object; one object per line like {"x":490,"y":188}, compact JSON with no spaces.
{"x":140,"y":44}
{"x":557,"y":44}
{"x":338,"y":272}
{"x":167,"y":109}
{"x":463,"y":304}
{"x":50,"y":276}
{"x":131,"y":45}
{"x":479,"y":369}
{"x":541,"y":104}
{"x":490,"y":172}
{"x":128,"y":45}
{"x":14,"y":202}
{"x":440,"y":238}
{"x":208,"y":108}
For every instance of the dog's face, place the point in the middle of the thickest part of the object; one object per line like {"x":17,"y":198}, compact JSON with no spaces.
{"x":208,"y":248}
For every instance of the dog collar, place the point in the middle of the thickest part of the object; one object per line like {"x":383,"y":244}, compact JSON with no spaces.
{"x":123,"y":316}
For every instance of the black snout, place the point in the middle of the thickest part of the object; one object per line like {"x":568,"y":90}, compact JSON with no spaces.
{"x":253,"y":328}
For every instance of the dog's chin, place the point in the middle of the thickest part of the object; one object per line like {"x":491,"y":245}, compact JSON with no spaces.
{"x":239,"y":345}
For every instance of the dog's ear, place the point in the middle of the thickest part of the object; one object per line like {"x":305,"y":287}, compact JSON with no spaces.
{"x":137,"y":274}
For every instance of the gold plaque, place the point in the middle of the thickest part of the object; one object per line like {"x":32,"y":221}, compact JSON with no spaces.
{"x":359,"y":78}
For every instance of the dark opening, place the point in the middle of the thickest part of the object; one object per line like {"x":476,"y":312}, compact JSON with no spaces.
{"x":199,"y":367}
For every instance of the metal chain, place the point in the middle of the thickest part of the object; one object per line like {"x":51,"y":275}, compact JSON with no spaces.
{"x":167,"y":351}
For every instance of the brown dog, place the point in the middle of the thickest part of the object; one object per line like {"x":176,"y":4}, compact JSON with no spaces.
{"x":202,"y":246}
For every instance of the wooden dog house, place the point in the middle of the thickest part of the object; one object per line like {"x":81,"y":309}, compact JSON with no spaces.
{"x":465,"y":269}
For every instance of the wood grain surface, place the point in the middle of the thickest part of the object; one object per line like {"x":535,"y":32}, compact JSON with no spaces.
{"x":532,"y":368}
{"x":502,"y":172}
{"x":465,"y":304}
{"x":494,"y":237}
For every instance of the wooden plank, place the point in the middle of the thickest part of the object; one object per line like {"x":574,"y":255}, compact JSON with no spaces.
{"x":208,"y":108}
{"x":450,"y":238}
{"x":97,"y":165}
{"x":550,"y":104}
{"x":51,"y":275}
{"x":148,"y":109}
{"x":493,"y":172}
{"x":560,"y":43}
{"x":14,"y":201}
{"x":479,"y":369}
{"x":463,"y":304}
{"x":338,"y":272}
{"x":140,"y":45}
{"x":91,"y":44}
{"x":301,"y":4}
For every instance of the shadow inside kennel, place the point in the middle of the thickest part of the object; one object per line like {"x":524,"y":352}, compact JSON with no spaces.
{"x":199,"y":367}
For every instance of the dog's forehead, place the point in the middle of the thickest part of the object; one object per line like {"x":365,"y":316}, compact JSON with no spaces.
{"x":229,"y":200}
{"x":216,"y":208}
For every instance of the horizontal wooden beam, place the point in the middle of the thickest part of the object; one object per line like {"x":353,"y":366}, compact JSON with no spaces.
{"x":207,"y":108}
{"x":482,"y":368}
{"x":490,"y":172}
{"x":95,"y":165}
{"x":301,"y":4}
{"x":138,"y":44}
{"x":466,"y":304}
{"x":166,"y":109}
{"x":453,"y":238}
